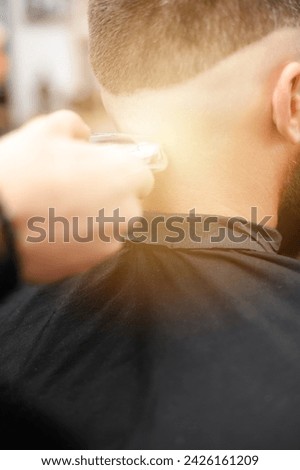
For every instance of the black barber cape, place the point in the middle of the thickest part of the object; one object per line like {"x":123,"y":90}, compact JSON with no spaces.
{"x":188,"y":345}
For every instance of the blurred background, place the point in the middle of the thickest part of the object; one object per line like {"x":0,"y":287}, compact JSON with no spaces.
{"x":44,"y":63}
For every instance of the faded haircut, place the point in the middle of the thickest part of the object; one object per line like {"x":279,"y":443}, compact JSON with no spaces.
{"x":138,"y":44}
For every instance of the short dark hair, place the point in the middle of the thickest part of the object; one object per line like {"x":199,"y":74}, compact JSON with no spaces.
{"x":138,"y":44}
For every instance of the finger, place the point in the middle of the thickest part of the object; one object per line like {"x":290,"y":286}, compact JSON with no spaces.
{"x":124,"y":168}
{"x":140,"y":177}
{"x":120,"y":160}
{"x":67,"y":124}
{"x":144,"y":181}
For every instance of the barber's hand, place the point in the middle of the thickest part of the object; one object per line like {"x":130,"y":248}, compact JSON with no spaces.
{"x":49,"y":163}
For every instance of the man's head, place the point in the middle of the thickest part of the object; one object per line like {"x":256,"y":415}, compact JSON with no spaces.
{"x":137,"y":44}
{"x":215,"y":81}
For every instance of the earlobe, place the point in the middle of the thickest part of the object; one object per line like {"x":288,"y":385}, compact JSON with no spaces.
{"x":286,"y":103}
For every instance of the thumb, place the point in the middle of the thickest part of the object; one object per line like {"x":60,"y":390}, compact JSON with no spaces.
{"x":67,"y":124}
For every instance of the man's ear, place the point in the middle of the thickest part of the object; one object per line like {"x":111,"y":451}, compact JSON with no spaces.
{"x":286,"y":103}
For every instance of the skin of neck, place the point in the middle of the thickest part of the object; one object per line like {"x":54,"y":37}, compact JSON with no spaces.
{"x":225,"y":153}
